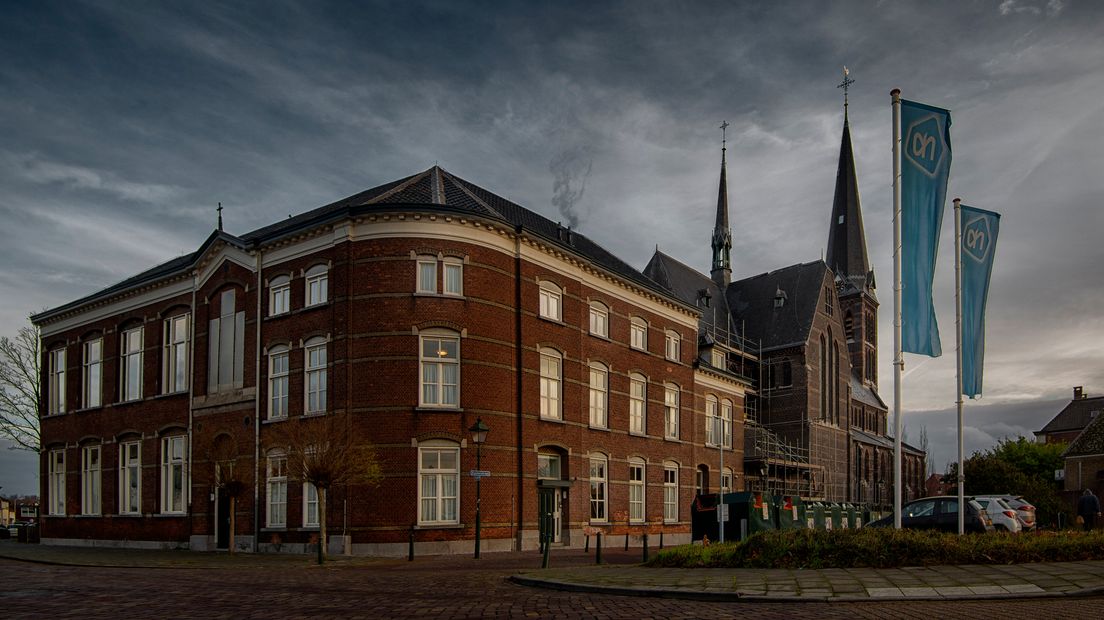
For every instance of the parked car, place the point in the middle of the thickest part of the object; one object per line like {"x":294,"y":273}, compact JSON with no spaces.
{"x":940,"y":513}
{"x":1003,"y":516}
{"x":1025,"y":511}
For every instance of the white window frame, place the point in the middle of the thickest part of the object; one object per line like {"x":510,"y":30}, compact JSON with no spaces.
{"x":712,"y":407}
{"x":310,"y":505}
{"x":638,"y":404}
{"x":130,"y":469}
{"x":599,"y":395}
{"x":57,"y":482}
{"x":726,"y":423}
{"x":551,"y":384}
{"x":435,"y":508}
{"x":174,"y":467}
{"x":279,"y":295}
{"x":432,"y":390}
{"x":176,"y":354}
{"x":637,"y":490}
{"x":548,"y":473}
{"x":426,"y":275}
{"x":726,"y":480}
{"x":315,"y":376}
{"x":717,"y":358}
{"x":279,"y":363}
{"x":670,"y":492}
{"x":56,"y":395}
{"x":638,"y":334}
{"x":130,"y":353}
{"x":226,"y":346}
{"x":599,"y":319}
{"x":317,"y":286}
{"x":91,"y":463}
{"x":599,"y":488}
{"x":672,"y":345}
{"x":276,"y":470}
{"x":670,"y":411}
{"x":92,"y":375}
{"x":452,"y":264}
{"x":551,"y":301}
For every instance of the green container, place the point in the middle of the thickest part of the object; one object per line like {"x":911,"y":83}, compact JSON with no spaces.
{"x":833,"y":516}
{"x":814,"y":516}
{"x":789,"y":512}
{"x":755,"y":509}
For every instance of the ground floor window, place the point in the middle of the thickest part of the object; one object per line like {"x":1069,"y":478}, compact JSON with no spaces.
{"x":438,"y":484}
{"x":172,"y":475}
{"x":57,"y":482}
{"x":130,"y":478}
{"x":636,"y":490}
{"x":90,"y":480}
{"x":598,"y":468}
{"x":310,"y":505}
{"x":277,"y":490}
{"x":670,"y":493}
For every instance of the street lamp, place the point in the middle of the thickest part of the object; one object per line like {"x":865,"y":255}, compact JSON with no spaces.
{"x":479,"y":432}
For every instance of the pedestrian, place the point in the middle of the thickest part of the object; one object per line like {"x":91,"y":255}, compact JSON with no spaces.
{"x":1088,"y":508}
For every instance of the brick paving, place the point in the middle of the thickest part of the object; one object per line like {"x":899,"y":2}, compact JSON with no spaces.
{"x":429,"y":587}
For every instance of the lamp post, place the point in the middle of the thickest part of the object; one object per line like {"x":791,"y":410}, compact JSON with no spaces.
{"x":479,"y":432}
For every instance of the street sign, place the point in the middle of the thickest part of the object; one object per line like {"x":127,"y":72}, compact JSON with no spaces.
{"x":479,"y":473}
{"x":722,"y":513}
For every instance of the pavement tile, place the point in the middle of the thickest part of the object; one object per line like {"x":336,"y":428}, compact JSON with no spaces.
{"x":929,"y":592}
{"x":1022,"y":587}
{"x":987,"y":590}
{"x":953,"y":591}
{"x":883,"y":592}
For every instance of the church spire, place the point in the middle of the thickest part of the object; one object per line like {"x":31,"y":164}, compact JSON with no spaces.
{"x":721,"y":271}
{"x":846,"y":239}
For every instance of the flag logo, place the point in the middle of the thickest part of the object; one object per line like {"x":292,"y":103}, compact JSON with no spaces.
{"x":977,"y":239}
{"x":924,"y":145}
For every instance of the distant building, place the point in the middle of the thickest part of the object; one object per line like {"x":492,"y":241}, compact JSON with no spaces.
{"x":1072,"y":419}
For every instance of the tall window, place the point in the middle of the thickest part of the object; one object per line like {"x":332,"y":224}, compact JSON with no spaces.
{"x":453,"y":269}
{"x":427,"y":275}
{"x":172,"y":475}
{"x":598,"y":467}
{"x":90,"y":480}
{"x":551,"y":364}
{"x":174,"y":360}
{"x":276,"y":481}
{"x":318,"y":283}
{"x":636,"y":490}
{"x":226,"y":347}
{"x":550,"y":301}
{"x":57,"y":381}
{"x":726,"y":423}
{"x":599,"y":319}
{"x":310,"y":505}
{"x":823,"y":379}
{"x":279,"y":295}
{"x":440,"y":376}
{"x":670,"y":492}
{"x":316,"y":375}
{"x":57,"y":482}
{"x":726,"y":480}
{"x":548,"y":466}
{"x":711,"y":430}
{"x":599,"y":395}
{"x":131,"y":371}
{"x":277,"y":382}
{"x":828,"y":300}
{"x":92,"y":380}
{"x":638,"y":404}
{"x":638,"y":334}
{"x":438,"y":483}
{"x":672,"y":341}
{"x":671,"y":411}
{"x":130,"y":478}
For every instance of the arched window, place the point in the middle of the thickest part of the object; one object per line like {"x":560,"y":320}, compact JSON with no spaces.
{"x":673,"y":345}
{"x":726,"y":423}
{"x":276,"y":483}
{"x":278,"y":382}
{"x":92,"y":376}
{"x":599,"y":467}
{"x":318,"y":284}
{"x":823,"y":379}
{"x":440,"y":369}
{"x":670,"y":491}
{"x":599,"y":395}
{"x":56,"y":398}
{"x":726,"y":480}
{"x":599,"y":319}
{"x":638,"y":334}
{"x":551,"y":379}
{"x":671,"y":411}
{"x":712,"y":433}
{"x":551,"y":298}
{"x":279,"y":295}
{"x":638,"y":404}
{"x":701,"y":479}
{"x":849,"y":327}
{"x":438,"y":482}
{"x":637,"y":492}
{"x":314,"y":355}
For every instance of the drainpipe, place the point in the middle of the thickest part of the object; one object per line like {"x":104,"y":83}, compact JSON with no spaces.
{"x":517,"y":388}
{"x":191,"y":395}
{"x":257,"y":415}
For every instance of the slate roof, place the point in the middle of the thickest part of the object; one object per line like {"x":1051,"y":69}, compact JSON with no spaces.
{"x":1090,"y":441}
{"x":846,"y":239}
{"x":752,"y":302}
{"x":687,"y":284}
{"x":862,"y":393}
{"x":433,"y":190}
{"x":881,"y":441}
{"x":1076,"y":415}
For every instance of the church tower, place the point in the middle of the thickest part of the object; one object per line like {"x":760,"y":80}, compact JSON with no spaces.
{"x":848,"y":260}
{"x":721,"y":271}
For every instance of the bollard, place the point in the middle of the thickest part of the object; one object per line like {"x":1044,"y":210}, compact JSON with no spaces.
{"x":544,"y":558}
{"x":410,"y":551}
{"x":661,"y":539}
{"x":626,"y":541}
{"x":586,"y":543}
{"x":645,"y":546}
{"x":598,"y":548}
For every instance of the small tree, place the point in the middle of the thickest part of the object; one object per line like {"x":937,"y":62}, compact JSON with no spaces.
{"x":229,"y":478}
{"x":325,"y":453}
{"x":20,"y":367}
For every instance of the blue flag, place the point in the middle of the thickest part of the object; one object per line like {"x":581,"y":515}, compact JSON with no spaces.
{"x":979,"y":242}
{"x":925,"y":166}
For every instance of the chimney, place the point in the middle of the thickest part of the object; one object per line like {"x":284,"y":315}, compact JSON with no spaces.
{"x":1078,"y":393}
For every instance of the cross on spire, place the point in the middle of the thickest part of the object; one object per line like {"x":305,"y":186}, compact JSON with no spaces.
{"x":219,"y":209}
{"x":724,"y":128}
{"x":847,"y":82}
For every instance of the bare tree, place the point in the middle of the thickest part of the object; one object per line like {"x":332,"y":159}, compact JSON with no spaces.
{"x":924,"y":445}
{"x":324,"y":452}
{"x":20,"y":367}
{"x":229,"y":477}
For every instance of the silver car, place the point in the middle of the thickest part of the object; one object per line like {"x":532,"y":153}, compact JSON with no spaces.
{"x":1003,"y":516}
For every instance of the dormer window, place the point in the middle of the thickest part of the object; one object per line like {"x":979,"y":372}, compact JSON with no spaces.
{"x":779,"y":298}
{"x":717,"y":359}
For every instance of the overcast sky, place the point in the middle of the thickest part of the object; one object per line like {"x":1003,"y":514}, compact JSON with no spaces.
{"x":124,"y":123}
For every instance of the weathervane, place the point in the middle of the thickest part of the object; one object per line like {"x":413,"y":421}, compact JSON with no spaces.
{"x":847,"y":82}
{"x":724,"y":128}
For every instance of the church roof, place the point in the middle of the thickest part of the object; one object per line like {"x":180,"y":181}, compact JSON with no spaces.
{"x":434,"y":190}
{"x":881,"y":441}
{"x":1090,"y":441}
{"x":862,"y":393}
{"x":689,"y":284}
{"x":752,"y":301}
{"x":846,"y":239}
{"x":1075,"y":416}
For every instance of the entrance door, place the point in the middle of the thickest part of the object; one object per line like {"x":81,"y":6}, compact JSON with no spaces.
{"x":222,"y":522}
{"x":557,"y":515}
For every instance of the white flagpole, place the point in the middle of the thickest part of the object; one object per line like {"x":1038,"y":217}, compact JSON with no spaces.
{"x":958,"y":361}
{"x":898,"y":356}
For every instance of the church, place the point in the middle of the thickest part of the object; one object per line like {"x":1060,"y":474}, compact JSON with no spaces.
{"x":517,"y":382}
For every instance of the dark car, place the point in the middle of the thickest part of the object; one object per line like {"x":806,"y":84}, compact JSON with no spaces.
{"x":939,"y":513}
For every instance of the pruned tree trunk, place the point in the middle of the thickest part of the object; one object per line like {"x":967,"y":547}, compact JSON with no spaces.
{"x":230,"y":541}
{"x":321,"y":524}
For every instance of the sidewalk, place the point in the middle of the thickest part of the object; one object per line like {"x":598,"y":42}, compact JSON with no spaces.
{"x":828,"y":585}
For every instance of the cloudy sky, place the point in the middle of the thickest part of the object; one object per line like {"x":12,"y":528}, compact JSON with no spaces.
{"x":124,"y":124}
